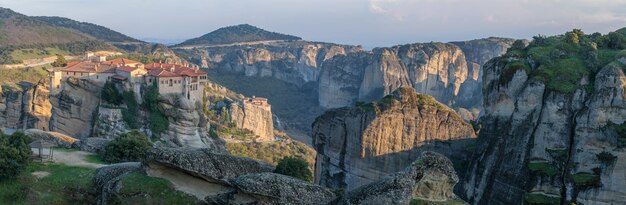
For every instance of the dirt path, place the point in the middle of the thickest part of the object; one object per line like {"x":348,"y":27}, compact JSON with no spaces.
{"x":186,"y":183}
{"x":74,"y":158}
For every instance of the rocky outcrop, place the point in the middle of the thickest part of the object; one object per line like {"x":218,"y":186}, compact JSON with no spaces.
{"x":188,"y":127}
{"x":431,"y":177}
{"x":359,"y":145}
{"x":106,"y":180}
{"x":109,"y":123}
{"x":254,"y":114}
{"x":25,"y":106}
{"x":204,"y":164}
{"x":74,"y":108}
{"x":441,"y":70}
{"x":536,"y":140}
{"x":296,"y":62}
{"x":58,"y":139}
{"x":270,"y":188}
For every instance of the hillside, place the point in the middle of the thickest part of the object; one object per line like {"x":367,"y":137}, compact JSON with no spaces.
{"x":18,"y":30}
{"x":237,"y":34}
{"x":96,"y":31}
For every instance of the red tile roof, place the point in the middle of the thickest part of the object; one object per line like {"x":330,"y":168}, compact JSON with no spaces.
{"x":178,"y":69}
{"x":162,"y":73}
{"x":120,"y":61}
{"x":87,"y":67}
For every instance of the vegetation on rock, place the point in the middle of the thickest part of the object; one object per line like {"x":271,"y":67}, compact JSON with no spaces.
{"x":541,"y":199}
{"x":157,"y":120}
{"x":562,"y":61}
{"x":294,"y":167}
{"x":129,"y":147}
{"x":14,"y":154}
{"x":542,"y":168}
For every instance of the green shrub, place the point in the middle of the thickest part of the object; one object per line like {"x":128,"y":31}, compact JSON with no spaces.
{"x":59,"y":62}
{"x":584,"y":180}
{"x":129,"y":147}
{"x":542,"y":168}
{"x":510,"y":69}
{"x":131,"y":112}
{"x":541,"y":199}
{"x":157,"y":120}
{"x":14,"y":154}
{"x":110,"y":94}
{"x":294,"y":167}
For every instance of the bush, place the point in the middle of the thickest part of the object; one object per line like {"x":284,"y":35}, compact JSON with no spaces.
{"x":110,"y":94}
{"x":59,"y":62}
{"x":132,"y":110}
{"x":129,"y":147}
{"x":157,"y":121}
{"x":294,"y":167}
{"x":14,"y":154}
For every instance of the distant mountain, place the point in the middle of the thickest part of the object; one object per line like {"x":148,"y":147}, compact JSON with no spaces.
{"x":237,"y":34}
{"x":96,"y":31}
{"x":18,"y":30}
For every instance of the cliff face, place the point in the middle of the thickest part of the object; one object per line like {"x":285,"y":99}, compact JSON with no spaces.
{"x":256,"y":117}
{"x":537,"y":141}
{"x":188,"y":127}
{"x":24,"y":107}
{"x":359,"y":145}
{"x":295,"y":62}
{"x":74,"y":107}
{"x":450,"y":73}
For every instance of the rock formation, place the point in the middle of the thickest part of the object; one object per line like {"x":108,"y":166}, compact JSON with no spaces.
{"x":187,"y":124}
{"x":254,"y":114}
{"x":25,"y":106}
{"x":205,"y":164}
{"x":109,"y":123}
{"x":539,"y":140}
{"x":107,"y":179}
{"x":441,"y":70}
{"x":58,"y":139}
{"x":359,"y":145}
{"x":431,"y":178}
{"x":74,"y":108}
{"x":271,"y":188}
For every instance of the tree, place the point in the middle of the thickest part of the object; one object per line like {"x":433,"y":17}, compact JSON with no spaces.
{"x":574,"y":36}
{"x":616,"y":41}
{"x":131,"y":146}
{"x":518,"y":45}
{"x":295,"y":167}
{"x":110,"y":94}
{"x":14,"y":154}
{"x":60,"y":61}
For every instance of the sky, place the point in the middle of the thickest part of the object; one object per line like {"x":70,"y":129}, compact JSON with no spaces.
{"x":370,"y":23}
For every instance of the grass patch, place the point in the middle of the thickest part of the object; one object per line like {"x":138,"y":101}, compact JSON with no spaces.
{"x":16,"y":75}
{"x":140,"y":188}
{"x":541,"y":199}
{"x":95,"y":158}
{"x":64,"y":185}
{"x":542,"y":168}
{"x":35,"y":53}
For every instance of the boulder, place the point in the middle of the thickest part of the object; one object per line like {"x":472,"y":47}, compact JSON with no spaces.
{"x":271,"y":188}
{"x":202,"y":163}
{"x":93,"y":144}
{"x":55,"y":138}
{"x":107,"y":179}
{"x":431,"y":177}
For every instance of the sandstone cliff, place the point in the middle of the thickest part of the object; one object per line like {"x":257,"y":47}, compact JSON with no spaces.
{"x":74,"y":108}
{"x":255,"y":115}
{"x":25,"y":106}
{"x":296,"y":62}
{"x":359,"y":145}
{"x":450,"y":73}
{"x":557,"y":138}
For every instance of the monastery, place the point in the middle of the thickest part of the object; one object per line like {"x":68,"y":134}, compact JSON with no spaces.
{"x":171,"y":79}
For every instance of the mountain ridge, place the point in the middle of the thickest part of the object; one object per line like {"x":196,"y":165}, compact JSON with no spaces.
{"x":237,"y":34}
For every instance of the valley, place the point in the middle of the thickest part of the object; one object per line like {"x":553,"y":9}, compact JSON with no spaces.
{"x":242,"y":115}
